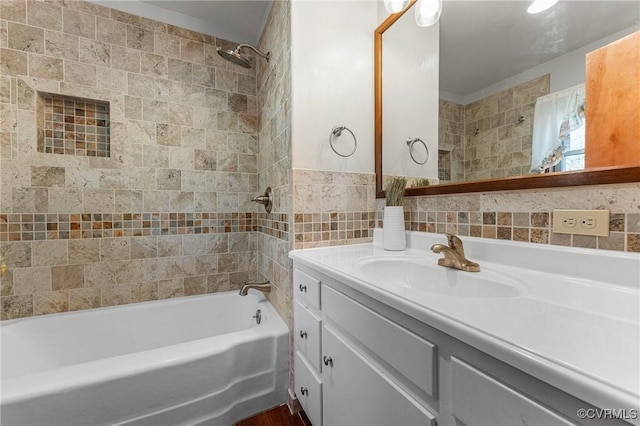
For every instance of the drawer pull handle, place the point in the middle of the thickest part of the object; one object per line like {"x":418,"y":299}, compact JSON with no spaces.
{"x":303,"y":288}
{"x":303,"y":334}
{"x":304,"y":391}
{"x":328,"y":361}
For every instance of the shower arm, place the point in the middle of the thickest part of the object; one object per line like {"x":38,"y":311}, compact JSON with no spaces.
{"x":267,"y":55}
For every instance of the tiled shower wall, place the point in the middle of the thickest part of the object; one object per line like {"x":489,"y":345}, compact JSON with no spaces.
{"x":169,"y":212}
{"x":486,"y":138}
{"x":274,"y":158}
{"x":450,"y":141}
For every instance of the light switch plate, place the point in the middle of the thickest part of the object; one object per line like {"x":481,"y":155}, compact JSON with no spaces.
{"x":581,"y":222}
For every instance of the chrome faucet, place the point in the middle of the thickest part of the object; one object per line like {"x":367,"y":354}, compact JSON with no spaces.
{"x":454,"y":255}
{"x":264,"y":287}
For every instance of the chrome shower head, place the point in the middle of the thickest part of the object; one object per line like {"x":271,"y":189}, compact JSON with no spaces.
{"x":235,"y":56}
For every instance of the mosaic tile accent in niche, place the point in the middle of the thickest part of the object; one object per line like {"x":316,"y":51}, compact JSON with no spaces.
{"x":73,"y":126}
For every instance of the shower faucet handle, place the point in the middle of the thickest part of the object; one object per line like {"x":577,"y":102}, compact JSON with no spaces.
{"x":265,"y":199}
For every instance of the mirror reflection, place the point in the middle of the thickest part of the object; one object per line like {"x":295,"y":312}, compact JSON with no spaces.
{"x":512,"y":95}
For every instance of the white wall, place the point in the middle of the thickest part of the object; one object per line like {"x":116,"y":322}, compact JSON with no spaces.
{"x":410,"y":66}
{"x":332,"y":82}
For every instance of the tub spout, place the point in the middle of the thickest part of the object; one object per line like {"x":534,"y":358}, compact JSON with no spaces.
{"x":264,"y":287}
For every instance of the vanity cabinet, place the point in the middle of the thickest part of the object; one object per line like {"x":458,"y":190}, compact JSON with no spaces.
{"x":355,"y":367}
{"x":370,"y":364}
{"x":308,"y":337}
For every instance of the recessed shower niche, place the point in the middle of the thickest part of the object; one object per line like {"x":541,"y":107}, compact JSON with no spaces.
{"x":73,"y":126}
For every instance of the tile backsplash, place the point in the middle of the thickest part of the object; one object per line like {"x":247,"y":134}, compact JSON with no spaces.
{"x":527,"y":215}
{"x":332,"y":208}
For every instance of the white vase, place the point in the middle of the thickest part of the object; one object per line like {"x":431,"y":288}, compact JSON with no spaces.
{"x":393,"y":235}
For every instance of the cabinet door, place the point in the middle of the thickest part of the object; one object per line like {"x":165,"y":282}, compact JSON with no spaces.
{"x":478,"y":399}
{"x":356,"y":393}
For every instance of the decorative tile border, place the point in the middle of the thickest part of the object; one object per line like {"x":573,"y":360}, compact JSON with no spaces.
{"x":534,"y":227}
{"x":273,"y":224}
{"x":332,"y":228}
{"x":29,"y":227}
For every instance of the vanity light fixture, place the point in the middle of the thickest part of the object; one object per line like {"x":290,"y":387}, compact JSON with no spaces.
{"x":395,"y":6}
{"x":541,"y":5}
{"x":428,"y":12}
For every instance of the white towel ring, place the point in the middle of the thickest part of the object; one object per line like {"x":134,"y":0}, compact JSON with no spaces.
{"x":410,"y":143}
{"x":337,"y":132}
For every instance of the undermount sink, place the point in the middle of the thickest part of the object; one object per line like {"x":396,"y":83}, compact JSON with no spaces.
{"x":421,"y":275}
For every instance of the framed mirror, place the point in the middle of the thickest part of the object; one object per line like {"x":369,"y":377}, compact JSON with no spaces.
{"x":486,"y":52}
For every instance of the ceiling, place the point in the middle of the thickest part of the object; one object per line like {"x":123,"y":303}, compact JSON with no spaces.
{"x":240,"y":21}
{"x":484,"y":42}
{"x":492,"y":40}
{"x":244,"y":17}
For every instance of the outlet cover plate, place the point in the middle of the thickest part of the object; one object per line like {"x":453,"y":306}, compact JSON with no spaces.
{"x":581,"y":222}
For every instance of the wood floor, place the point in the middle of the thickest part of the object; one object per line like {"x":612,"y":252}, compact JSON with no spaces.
{"x":278,"y":416}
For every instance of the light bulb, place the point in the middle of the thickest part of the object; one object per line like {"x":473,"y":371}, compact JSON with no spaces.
{"x":428,"y":12}
{"x":395,"y":6}
{"x":541,"y":5}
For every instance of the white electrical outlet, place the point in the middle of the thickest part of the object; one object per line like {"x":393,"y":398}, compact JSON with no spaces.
{"x":581,"y":222}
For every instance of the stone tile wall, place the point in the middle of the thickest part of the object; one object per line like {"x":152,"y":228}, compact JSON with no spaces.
{"x":333,"y":208}
{"x":527,"y":215}
{"x":450,"y":141}
{"x":274,"y":154}
{"x":493,"y":143}
{"x":166,"y":213}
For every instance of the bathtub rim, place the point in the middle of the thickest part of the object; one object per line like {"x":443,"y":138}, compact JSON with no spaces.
{"x":20,"y":388}
{"x":94,"y":311}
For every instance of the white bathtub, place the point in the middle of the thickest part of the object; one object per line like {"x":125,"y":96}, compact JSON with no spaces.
{"x":193,"y":360}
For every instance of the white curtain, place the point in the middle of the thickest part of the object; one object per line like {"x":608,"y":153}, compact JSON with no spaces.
{"x":555,"y":116}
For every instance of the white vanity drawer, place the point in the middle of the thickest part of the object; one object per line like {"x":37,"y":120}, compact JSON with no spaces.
{"x":356,"y":392}
{"x":412,"y":356}
{"x":309,"y":391}
{"x":307,"y":334}
{"x":478,"y":399}
{"x":306,"y":289}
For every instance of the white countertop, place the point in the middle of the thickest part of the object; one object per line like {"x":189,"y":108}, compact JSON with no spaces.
{"x":577,"y":333}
